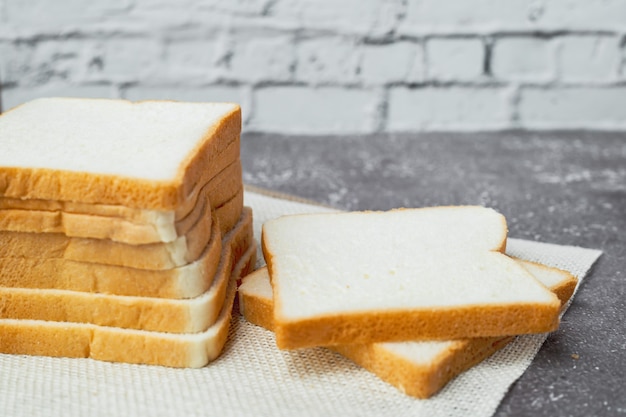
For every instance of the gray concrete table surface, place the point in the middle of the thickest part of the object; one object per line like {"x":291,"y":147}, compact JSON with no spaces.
{"x":559,"y":187}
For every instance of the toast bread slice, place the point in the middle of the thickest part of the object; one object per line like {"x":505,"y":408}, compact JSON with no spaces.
{"x":430,"y":273}
{"x":146,"y":155}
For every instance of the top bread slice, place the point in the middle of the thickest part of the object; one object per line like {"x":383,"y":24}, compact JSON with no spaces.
{"x":431,"y":273}
{"x":148,"y":155}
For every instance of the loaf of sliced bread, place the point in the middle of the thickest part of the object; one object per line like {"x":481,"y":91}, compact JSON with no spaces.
{"x":87,"y":150}
{"x":419,"y":369}
{"x":407,"y":274}
{"x":131,"y":216}
{"x":79,"y":340}
{"x":44,"y":216}
{"x":155,"y":256}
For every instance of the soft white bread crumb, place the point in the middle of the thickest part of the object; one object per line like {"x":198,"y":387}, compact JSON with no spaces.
{"x":146,"y":140}
{"x":341,"y":276}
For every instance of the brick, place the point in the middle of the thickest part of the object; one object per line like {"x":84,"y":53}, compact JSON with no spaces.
{"x":582,"y":107}
{"x":488,"y":16}
{"x":327,"y":60}
{"x":345,"y":17}
{"x":14,"y":59}
{"x":48,"y":61}
{"x":440,"y":108}
{"x":522,"y":59}
{"x":208,"y":93}
{"x":396,"y":62}
{"x":455,"y":59}
{"x":256,"y":59}
{"x":162,"y":15}
{"x":314,"y":110}
{"x":588,"y":58}
{"x":3,"y":14}
{"x":55,"y":13}
{"x":127,"y":60}
{"x":244,"y":7}
{"x":622,"y":69}
{"x":190,"y":58}
{"x":12,"y":97}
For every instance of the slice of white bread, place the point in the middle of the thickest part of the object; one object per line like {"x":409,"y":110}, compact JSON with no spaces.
{"x":133,"y":312}
{"x":419,"y":369}
{"x":431,"y":273}
{"x":78,"y":340}
{"x":24,"y":216}
{"x":153,"y":256}
{"x":153,"y":216}
{"x":148,"y":155}
{"x":187,"y":281}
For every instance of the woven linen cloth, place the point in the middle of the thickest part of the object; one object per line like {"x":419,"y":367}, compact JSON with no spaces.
{"x":252,"y":377}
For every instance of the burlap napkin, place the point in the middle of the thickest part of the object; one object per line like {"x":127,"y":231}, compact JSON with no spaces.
{"x":252,"y":377}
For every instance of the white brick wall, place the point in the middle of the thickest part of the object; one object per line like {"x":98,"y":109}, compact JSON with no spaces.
{"x":327,"y":66}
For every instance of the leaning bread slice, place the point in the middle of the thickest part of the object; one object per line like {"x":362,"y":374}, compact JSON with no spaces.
{"x":22,"y":216}
{"x":147,"y":155}
{"x":79,"y":340}
{"x":419,"y":369}
{"x":187,"y":281}
{"x":431,"y":273}
{"x":153,"y":256}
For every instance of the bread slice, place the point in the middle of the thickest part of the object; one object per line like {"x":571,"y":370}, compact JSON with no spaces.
{"x":147,"y":155}
{"x":79,"y":340}
{"x":187,"y":281}
{"x":222,"y":161}
{"x":419,"y":369}
{"x":24,"y":216}
{"x":431,"y":273}
{"x":155,"y":256}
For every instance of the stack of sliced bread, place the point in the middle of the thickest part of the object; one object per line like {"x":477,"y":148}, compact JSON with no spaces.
{"x":416,"y":296}
{"x":122,"y":229}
